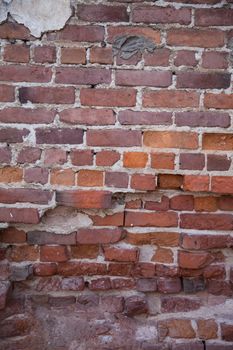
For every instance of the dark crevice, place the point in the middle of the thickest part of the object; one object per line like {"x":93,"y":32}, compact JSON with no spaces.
{"x":204,"y":344}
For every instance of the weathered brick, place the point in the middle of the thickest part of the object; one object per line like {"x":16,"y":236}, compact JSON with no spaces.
{"x":12,"y":235}
{"x":204,"y":241}
{"x":195,"y":37}
{"x":218,"y":101}
{"x":101,"y":55}
{"x":24,"y":195}
{"x":196,"y":183}
{"x":54,"y":253}
{"x":29,"y":155}
{"x":7,"y":93}
{"x":185,"y":58}
{"x":178,"y":328}
{"x":143,"y":78}
{"x":170,"y":139}
{"x":218,"y":162}
{"x":20,"y":73}
{"x":59,"y":136}
{"x":16,"y":53}
{"x":44,"y":54}
{"x":192,"y":161}
{"x":84,"y":199}
{"x":196,"y":80}
{"x":222,"y":184}
{"x":182,"y":202}
{"x":207,"y":221}
{"x":79,"y":33}
{"x":121,"y":254}
{"x":107,"y":158}
{"x":143,"y":182}
{"x":36,"y":175}
{"x":85,"y":251}
{"x":213,"y":17}
{"x":44,"y":237}
{"x":160,"y":57}
{"x":99,"y":236}
{"x":90,"y":178}
{"x":205,"y":119}
{"x":13,"y":135}
{"x":170,"y":181}
{"x":79,"y":157}
{"x":162,"y":160}
{"x":151,"y":219}
{"x":147,"y":32}
{"x":73,"y":55}
{"x":207,"y":329}
{"x":179,"y":304}
{"x":215,"y":60}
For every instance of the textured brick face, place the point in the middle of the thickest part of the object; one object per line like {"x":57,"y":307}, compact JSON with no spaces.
{"x":116,"y":183}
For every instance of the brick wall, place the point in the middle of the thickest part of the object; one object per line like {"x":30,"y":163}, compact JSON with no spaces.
{"x":116,"y":179}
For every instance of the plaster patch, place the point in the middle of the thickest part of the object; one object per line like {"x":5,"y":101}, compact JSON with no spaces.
{"x":38,"y":15}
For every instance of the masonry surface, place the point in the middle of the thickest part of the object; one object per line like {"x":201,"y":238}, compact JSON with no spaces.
{"x":116,"y":182}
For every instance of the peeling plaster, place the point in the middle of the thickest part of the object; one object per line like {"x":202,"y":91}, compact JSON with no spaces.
{"x":38,"y":15}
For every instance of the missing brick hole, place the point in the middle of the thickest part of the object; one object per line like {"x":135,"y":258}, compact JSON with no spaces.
{"x":127,"y":46}
{"x":204,"y":344}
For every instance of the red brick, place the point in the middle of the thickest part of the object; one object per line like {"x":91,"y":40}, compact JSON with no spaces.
{"x":133,"y":204}
{"x":194,"y":260}
{"x":7,"y":93}
{"x":182,"y":202}
{"x":218,"y":101}
{"x":185,"y":58}
{"x":160,"y":57}
{"x":25,"y":195}
{"x":163,"y":160}
{"x":179,"y":304}
{"x":214,"y":272}
{"x":12,"y":235}
{"x":13,"y":135}
{"x":43,"y":270}
{"x":129,"y":117}
{"x":100,"y":284}
{"x":54,"y":253}
{"x":36,"y":175}
{"x":44,"y":54}
{"x":114,"y":138}
{"x":219,"y":287}
{"x":79,"y":157}
{"x":29,"y":155}
{"x":204,"y":241}
{"x":12,"y":30}
{"x":99,"y":236}
{"x":215,"y":60}
{"x":147,"y":32}
{"x":147,"y":285}
{"x":143,"y":78}
{"x":4,"y":293}
{"x":116,"y":97}
{"x":107,"y":158}
{"x":135,"y":159}
{"x":225,"y":203}
{"x":73,"y":55}
{"x":79,"y":33}
{"x":81,"y":268}
{"x":27,"y":115}
{"x":119,"y":269}
{"x":82,"y":76}
{"x":44,"y":237}
{"x":203,"y":38}
{"x":30,"y":74}
{"x":154,"y":14}
{"x":102,"y":13}
{"x":101,"y":55}
{"x":197,"y":80}
{"x":192,"y":161}
{"x":90,"y":178}
{"x":196,"y":183}
{"x":121,"y":254}
{"x":170,"y":181}
{"x":222,"y":184}
{"x":58,"y":95}
{"x":207,"y":221}
{"x":218,"y":162}
{"x":170,"y":139}
{"x":85,"y":199}
{"x":151,"y":219}
{"x":206,"y":203}
{"x":85,"y":251}
{"x":16,"y":53}
{"x":55,"y":156}
{"x":205,"y":119}
{"x":170,"y":99}
{"x":162,"y":204}
{"x":63,"y":177}
{"x":59,"y":136}
{"x":213,"y":17}
{"x":88,"y":116}
{"x":143,"y":182}
{"x":143,"y":269}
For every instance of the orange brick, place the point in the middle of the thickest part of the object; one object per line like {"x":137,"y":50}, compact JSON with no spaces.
{"x":11,"y":174}
{"x":90,"y":178}
{"x":135,"y":159}
{"x":196,"y":183}
{"x":163,"y":160}
{"x":205,"y":203}
{"x":74,"y":55}
{"x":170,"y":139}
{"x":65,"y":177}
